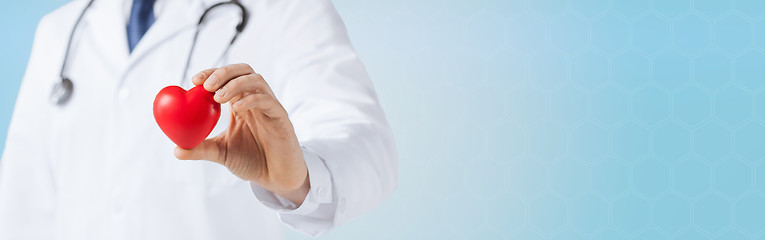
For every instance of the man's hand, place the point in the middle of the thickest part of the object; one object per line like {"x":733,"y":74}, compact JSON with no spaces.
{"x":260,"y":143}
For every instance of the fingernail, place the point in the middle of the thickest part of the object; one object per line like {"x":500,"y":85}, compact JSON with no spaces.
{"x":221,"y":93}
{"x":211,"y":80}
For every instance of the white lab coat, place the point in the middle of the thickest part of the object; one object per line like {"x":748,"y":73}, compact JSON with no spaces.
{"x":100,"y":167}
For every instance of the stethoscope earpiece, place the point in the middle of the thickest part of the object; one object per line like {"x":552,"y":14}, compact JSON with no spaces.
{"x":61,"y":92}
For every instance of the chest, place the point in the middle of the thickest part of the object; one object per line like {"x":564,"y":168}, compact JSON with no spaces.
{"x":107,"y":131}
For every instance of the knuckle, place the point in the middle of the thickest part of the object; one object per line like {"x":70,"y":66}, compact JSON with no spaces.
{"x":249,"y":78}
{"x":233,"y":85}
{"x":247,"y":66}
{"x":224,"y":71}
{"x":266,"y":97}
{"x":258,"y":85}
{"x":254,"y":99}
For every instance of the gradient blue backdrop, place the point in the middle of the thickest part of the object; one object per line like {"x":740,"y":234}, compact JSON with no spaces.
{"x":549,"y":119}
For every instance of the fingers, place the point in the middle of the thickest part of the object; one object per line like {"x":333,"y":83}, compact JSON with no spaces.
{"x":209,"y":150}
{"x":199,"y":78}
{"x":267,"y":104}
{"x":222,"y":75}
{"x":251,"y":83}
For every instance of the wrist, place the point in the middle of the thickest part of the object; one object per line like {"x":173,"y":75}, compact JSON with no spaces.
{"x":296,"y":195}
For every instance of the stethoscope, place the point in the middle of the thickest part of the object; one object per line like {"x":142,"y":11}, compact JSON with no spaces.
{"x":62,"y":90}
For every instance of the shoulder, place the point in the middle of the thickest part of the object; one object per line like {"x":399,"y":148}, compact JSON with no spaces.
{"x":61,"y":20}
{"x":50,"y":38}
{"x":54,"y":28}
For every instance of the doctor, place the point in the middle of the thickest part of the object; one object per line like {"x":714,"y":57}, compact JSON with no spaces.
{"x":302,"y":140}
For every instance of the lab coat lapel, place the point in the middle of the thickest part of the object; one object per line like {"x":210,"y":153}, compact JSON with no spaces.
{"x":110,"y":33}
{"x":180,"y":16}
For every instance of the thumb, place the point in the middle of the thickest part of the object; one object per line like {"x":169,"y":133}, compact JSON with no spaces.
{"x":209,"y":150}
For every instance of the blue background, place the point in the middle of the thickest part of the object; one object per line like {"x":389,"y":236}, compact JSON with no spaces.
{"x":549,"y":119}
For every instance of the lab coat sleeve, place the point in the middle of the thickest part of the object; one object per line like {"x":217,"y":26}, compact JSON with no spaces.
{"x":347,"y":143}
{"x":27,"y":191}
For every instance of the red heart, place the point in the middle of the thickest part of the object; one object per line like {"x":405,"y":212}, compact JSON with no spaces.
{"x":186,"y":117}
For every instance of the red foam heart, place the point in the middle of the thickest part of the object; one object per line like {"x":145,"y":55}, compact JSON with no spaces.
{"x":186,"y":117}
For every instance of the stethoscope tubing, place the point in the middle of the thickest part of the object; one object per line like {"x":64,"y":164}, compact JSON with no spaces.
{"x":63,"y":90}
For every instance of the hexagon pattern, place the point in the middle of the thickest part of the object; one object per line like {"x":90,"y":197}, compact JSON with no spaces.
{"x":565,"y":119}
{"x":569,"y":119}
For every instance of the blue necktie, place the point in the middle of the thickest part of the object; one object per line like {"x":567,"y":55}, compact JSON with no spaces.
{"x":141,"y":18}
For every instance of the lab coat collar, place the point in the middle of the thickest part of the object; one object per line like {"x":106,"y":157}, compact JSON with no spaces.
{"x":111,"y":31}
{"x":178,"y":16}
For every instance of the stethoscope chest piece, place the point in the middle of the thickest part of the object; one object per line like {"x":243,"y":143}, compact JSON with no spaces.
{"x":62,"y":92}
